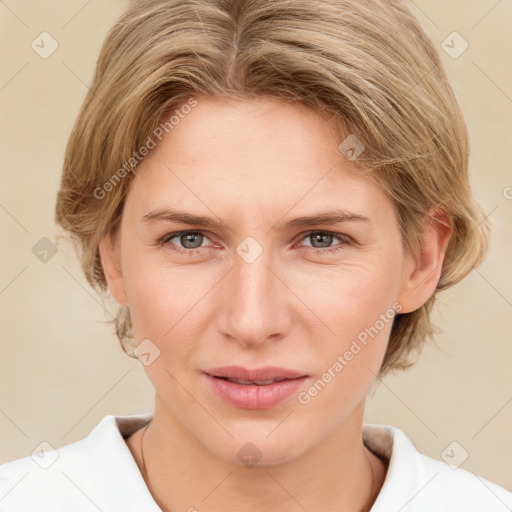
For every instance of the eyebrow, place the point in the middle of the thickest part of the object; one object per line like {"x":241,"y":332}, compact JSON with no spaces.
{"x":330,"y":217}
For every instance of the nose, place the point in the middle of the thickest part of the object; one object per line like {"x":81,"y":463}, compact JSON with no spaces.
{"x":256,"y":303}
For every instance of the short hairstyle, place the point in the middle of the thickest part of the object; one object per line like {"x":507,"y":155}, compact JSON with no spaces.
{"x":367,"y":64}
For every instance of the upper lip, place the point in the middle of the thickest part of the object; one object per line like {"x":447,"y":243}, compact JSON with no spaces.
{"x":256,"y":374}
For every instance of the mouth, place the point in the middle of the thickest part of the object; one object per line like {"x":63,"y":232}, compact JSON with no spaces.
{"x":261,"y":388}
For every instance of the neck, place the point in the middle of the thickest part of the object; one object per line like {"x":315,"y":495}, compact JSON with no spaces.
{"x":338,"y":473}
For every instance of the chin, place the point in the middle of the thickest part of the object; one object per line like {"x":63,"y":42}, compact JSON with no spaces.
{"x":256,"y":451}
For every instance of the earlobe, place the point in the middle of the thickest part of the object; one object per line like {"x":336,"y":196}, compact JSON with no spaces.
{"x":112,"y":270}
{"x":423,"y":271}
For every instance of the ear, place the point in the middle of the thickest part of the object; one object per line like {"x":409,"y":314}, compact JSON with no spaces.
{"x":423,"y":271}
{"x":111,"y":262}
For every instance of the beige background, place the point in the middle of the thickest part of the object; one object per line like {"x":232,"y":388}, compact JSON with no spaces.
{"x":61,"y":369}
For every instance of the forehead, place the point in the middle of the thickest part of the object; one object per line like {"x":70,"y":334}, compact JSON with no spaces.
{"x":254,"y":155}
{"x":248,"y":134}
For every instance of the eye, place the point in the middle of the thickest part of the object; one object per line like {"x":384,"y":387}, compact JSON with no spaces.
{"x":324,"y":239}
{"x":191,"y":241}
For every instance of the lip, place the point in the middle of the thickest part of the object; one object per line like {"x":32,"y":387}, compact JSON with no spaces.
{"x":254,"y":396}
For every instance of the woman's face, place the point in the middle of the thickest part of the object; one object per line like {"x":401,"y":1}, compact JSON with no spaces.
{"x":260,"y":289}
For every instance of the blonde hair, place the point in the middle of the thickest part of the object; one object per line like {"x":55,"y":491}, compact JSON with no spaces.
{"x":366,"y":63}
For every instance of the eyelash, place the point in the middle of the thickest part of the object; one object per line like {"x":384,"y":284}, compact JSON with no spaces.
{"x":344,"y":239}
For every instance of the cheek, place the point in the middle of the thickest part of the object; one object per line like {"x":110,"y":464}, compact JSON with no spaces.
{"x":353,"y":310}
{"x":349,"y":297}
{"x":167,"y":309}
{"x":359,"y":314}
{"x":167,"y":305}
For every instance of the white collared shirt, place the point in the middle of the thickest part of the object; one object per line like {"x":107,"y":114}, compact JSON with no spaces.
{"x":99,"y":473}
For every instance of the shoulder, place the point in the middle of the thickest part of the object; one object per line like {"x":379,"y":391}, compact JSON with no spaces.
{"x":418,"y":483}
{"x":97,"y":472}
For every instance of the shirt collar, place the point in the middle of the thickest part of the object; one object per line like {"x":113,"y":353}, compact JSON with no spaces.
{"x":116,"y":474}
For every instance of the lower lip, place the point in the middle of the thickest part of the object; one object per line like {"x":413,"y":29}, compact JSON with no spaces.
{"x":252,"y":396}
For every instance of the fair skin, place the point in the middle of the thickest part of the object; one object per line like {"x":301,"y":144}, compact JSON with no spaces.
{"x":255,"y":165}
